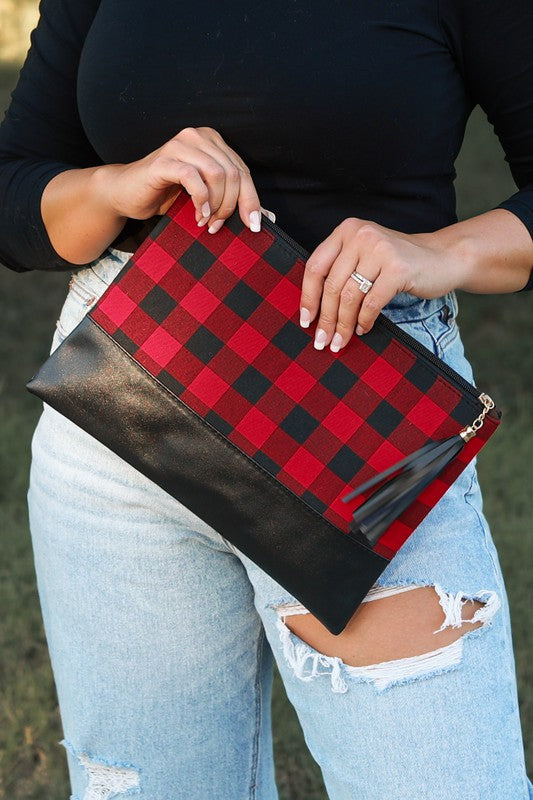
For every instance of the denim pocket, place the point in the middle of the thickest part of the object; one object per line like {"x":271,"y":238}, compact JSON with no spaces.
{"x":442,"y":328}
{"x":436,"y":331}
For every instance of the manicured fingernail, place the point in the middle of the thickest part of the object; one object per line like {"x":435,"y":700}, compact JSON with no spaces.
{"x":255,"y":221}
{"x":359,"y":330}
{"x":206,"y":211}
{"x":336,"y":343}
{"x":269,"y":214}
{"x":203,"y":221}
{"x":216,"y":226}
{"x":305,"y":318}
{"x":320,"y":339}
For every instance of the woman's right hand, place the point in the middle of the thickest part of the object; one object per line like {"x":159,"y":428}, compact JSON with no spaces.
{"x":197,"y":160}
{"x":84,"y":210}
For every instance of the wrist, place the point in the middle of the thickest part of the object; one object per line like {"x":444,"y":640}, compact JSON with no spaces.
{"x":101,"y":188}
{"x":487,"y":254}
{"x":457,"y":253}
{"x":463,"y":257}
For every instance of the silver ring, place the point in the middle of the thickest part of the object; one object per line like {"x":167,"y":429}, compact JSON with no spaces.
{"x":364,"y":284}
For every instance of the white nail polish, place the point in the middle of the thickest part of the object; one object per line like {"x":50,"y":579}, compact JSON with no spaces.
{"x":206,"y":211}
{"x":255,"y":221}
{"x":320,"y":339}
{"x":270,"y":214}
{"x":216,"y":226}
{"x":336,"y":343}
{"x":305,"y":318}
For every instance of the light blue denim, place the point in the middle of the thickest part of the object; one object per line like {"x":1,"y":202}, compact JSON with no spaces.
{"x":162,"y":635}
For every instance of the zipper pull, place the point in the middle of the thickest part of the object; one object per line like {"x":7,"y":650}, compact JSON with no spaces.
{"x":470,"y":431}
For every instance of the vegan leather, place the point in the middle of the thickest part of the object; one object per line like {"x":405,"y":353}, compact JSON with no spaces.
{"x":193,"y":368}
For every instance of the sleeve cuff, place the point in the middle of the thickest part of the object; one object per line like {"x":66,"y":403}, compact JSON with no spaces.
{"x":39,"y":240}
{"x":521,"y":205}
{"x":25,"y":241}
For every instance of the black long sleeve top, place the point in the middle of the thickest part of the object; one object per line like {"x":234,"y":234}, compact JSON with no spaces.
{"x":346,"y":108}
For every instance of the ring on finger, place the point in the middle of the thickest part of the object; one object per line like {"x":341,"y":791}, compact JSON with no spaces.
{"x":364,"y":283}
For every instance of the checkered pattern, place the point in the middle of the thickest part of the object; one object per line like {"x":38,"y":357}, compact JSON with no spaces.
{"x":215,"y":319}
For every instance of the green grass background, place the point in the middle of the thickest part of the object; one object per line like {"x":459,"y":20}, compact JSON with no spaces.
{"x":498,"y":336}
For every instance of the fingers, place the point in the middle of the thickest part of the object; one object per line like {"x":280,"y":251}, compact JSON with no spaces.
{"x":249,"y":205}
{"x":166,"y":174}
{"x":332,"y":296}
{"x":224,"y":202}
{"x":356,"y":311}
{"x":384,"y":289}
{"x":352,"y":300}
{"x":316,"y":270}
{"x":225,"y":175}
{"x":341,"y":300}
{"x":248,"y":200}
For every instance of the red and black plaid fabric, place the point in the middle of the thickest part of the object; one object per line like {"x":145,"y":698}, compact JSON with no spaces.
{"x":214,"y":318}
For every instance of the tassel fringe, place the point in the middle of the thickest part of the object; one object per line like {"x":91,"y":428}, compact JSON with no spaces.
{"x":411,"y":476}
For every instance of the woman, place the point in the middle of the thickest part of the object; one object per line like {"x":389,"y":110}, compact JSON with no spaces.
{"x":345,"y":119}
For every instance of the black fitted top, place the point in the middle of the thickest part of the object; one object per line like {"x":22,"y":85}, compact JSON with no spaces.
{"x":340,"y":108}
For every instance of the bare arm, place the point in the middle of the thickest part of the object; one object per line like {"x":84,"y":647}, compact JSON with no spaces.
{"x":493,"y":252}
{"x":79,"y":222}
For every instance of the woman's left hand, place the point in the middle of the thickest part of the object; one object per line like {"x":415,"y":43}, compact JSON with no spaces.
{"x":394,"y":262}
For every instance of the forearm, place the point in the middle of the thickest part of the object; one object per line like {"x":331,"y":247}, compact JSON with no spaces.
{"x":491,"y":253}
{"x":78,"y":217}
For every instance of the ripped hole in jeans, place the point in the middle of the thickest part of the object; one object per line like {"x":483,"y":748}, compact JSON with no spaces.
{"x":397,"y":640}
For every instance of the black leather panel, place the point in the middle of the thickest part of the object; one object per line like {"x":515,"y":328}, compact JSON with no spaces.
{"x":98,"y":386}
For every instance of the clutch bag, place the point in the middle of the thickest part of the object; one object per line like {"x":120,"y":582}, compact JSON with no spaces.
{"x":318,"y":466}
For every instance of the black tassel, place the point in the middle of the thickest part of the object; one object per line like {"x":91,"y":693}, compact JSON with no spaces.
{"x":413,"y":474}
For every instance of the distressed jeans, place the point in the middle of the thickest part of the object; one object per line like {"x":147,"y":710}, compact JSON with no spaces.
{"x":162,"y":635}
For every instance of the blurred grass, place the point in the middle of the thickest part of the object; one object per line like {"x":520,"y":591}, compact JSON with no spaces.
{"x":497,"y":334}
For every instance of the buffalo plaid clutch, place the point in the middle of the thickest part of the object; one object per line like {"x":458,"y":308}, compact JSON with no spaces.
{"x":193,"y":368}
